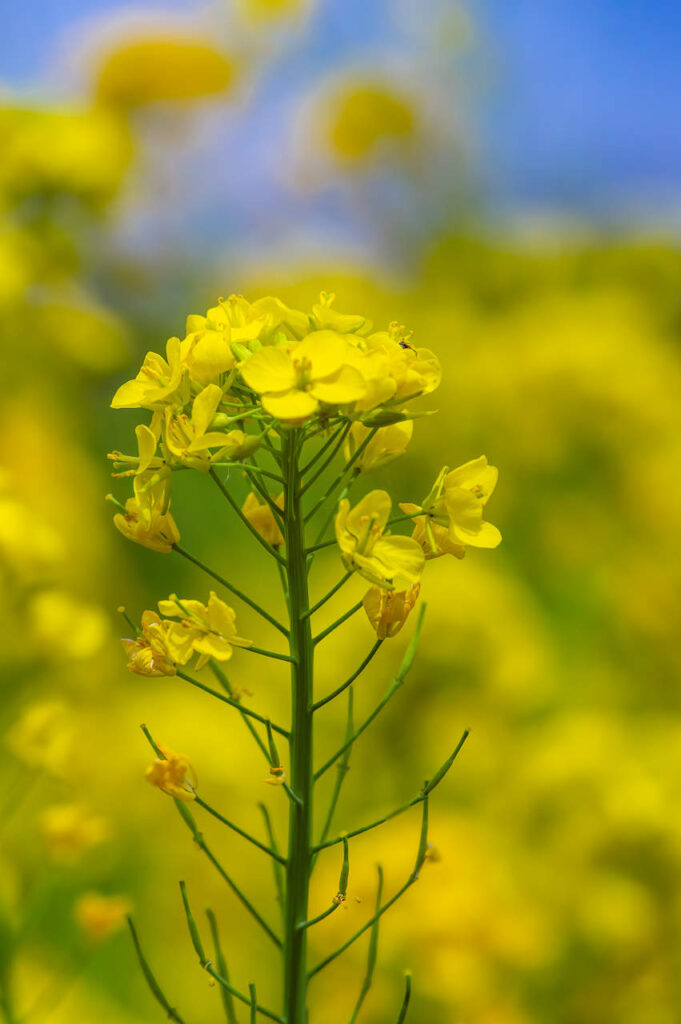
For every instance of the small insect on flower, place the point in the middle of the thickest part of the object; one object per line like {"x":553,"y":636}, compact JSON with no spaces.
{"x":173,"y":774}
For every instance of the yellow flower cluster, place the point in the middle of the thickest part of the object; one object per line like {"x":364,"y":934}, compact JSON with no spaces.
{"x":189,"y":627}
{"x":248,"y":367}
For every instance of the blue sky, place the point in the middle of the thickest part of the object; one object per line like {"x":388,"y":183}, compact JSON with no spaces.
{"x":578,"y":111}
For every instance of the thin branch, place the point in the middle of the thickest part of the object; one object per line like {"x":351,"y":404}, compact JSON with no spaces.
{"x":232,"y":589}
{"x":407,"y":996}
{"x":154,"y":986}
{"x":269,"y":654}
{"x":208,"y":966}
{"x":373,"y":950}
{"x":348,"y":682}
{"x":276,"y":866}
{"x":188,"y":819}
{"x":249,"y":526}
{"x":407,"y":661}
{"x":422,"y":795}
{"x":327,"y":597}
{"x":225,"y":994}
{"x":319,"y":917}
{"x":338,"y":622}
{"x":319,"y":547}
{"x":239,"y":831}
{"x":346,"y":472}
{"x":413,"y":877}
{"x":327,"y":461}
{"x":227,"y":686}
{"x":342,"y":771}
{"x":321,"y":451}
{"x":232,"y":703}
{"x":197,"y":836}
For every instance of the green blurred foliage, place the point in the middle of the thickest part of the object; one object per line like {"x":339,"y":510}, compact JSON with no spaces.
{"x":555,"y":890}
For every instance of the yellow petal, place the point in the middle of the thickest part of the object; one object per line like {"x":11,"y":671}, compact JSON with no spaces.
{"x":292,"y":406}
{"x":146,"y":446}
{"x":403,"y":559}
{"x":322,"y":351}
{"x":269,"y":369}
{"x":343,"y":387}
{"x":204,"y":407}
{"x":209,"y":356}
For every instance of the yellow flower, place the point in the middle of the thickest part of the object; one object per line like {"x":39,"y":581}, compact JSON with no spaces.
{"x":146,"y":519}
{"x":457,"y":499}
{"x":413,"y":371}
{"x":394,"y":563}
{"x":156,"y":382}
{"x":147,"y":442}
{"x":262,"y":518}
{"x":387,"y":611}
{"x":69,"y":830}
{"x":365,"y":116}
{"x":206,"y":351}
{"x":189,"y":440}
{"x":99,"y":916}
{"x":244,"y":323}
{"x":294,"y":378}
{"x":433,"y":538}
{"x":387,"y":444}
{"x":43,"y":736}
{"x":277,"y":776}
{"x":209,"y":629}
{"x":29,"y":547}
{"x":156,"y":651}
{"x":173,"y":774}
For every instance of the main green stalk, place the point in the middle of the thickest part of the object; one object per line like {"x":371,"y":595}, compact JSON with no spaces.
{"x":302,"y":780}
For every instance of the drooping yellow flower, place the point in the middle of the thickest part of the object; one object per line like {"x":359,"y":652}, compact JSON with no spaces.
{"x":391,"y":562}
{"x":262,"y":518}
{"x":43,"y":736}
{"x":158,"y":650}
{"x":173,"y":774}
{"x":146,"y":519}
{"x":156,"y":382}
{"x":100,"y":916}
{"x":209,"y":629}
{"x":206,"y":351}
{"x":457,"y":499}
{"x":294,"y":378}
{"x":387,"y":611}
{"x":387,"y":444}
{"x":69,"y":830}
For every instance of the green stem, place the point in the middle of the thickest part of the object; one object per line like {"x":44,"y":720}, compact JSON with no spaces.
{"x":338,"y":622}
{"x":239,"y":831}
{"x":246,"y":712}
{"x":300,"y":810}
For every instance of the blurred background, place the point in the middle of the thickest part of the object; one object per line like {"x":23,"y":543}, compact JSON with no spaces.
{"x":505,"y":180}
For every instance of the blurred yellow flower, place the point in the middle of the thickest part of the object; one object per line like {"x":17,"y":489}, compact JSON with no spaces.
{"x":387,"y":611}
{"x":363,"y":115}
{"x":208,"y":629}
{"x":156,"y":382}
{"x":457,"y":499}
{"x":173,"y":774}
{"x":100,"y":916}
{"x":294,"y":379}
{"x":43,"y":736}
{"x":146,"y":519}
{"x":154,"y":69}
{"x":391,"y":562}
{"x":387,"y":444}
{"x":29,"y":546}
{"x":65,"y":627}
{"x":70,"y":829}
{"x":262,"y":518}
{"x":324,"y":317}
